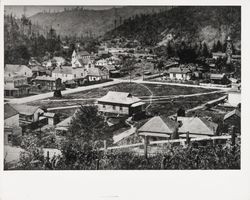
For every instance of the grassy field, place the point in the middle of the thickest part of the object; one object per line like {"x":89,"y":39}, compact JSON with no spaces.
{"x":171,"y":107}
{"x":89,"y":96}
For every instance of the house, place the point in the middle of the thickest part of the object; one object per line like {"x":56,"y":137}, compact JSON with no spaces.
{"x":161,"y":127}
{"x":96,"y":74}
{"x":219,"y":79}
{"x":33,"y":62}
{"x":121,"y":103}
{"x":16,"y":86}
{"x":217,"y":55}
{"x":17,"y":70}
{"x":11,"y":123}
{"x":66,"y":73}
{"x":158,"y":128}
{"x":196,"y":126}
{"x":179,"y":73}
{"x":232,"y":118}
{"x":101,"y":63}
{"x":51,"y":118}
{"x":47,"y":82}
{"x":234,"y":96}
{"x":38,"y":70}
{"x":28,"y":114}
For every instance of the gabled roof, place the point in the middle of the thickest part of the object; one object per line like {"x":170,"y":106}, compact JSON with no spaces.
{"x":83,"y":61}
{"x":231,"y":113}
{"x":9,"y":111}
{"x":82,"y":53}
{"x":119,"y":98}
{"x":63,"y":70}
{"x":178,"y":70}
{"x":38,"y":68}
{"x":217,"y":76}
{"x":159,"y":124}
{"x":25,"y":109}
{"x":196,"y":125}
{"x":14,"y":68}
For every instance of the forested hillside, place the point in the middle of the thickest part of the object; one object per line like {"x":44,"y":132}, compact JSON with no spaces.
{"x":83,"y":22}
{"x":195,"y":24}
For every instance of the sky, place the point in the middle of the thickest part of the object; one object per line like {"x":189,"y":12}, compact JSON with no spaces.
{"x":18,"y":11}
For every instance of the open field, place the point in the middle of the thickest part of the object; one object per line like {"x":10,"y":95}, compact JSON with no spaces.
{"x":140,"y":90}
{"x":170,"y":107}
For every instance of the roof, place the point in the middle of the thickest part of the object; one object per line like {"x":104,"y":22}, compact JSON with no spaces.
{"x":93,"y":71}
{"x":25,"y":109}
{"x":196,"y":125}
{"x":49,"y":114}
{"x":82,"y":53}
{"x":65,"y":122}
{"x":14,"y":68}
{"x":83,"y":61}
{"x":63,"y":70}
{"x":231,"y":113}
{"x":217,"y":76}
{"x":110,"y":67}
{"x":45,"y":78}
{"x":9,"y":111}
{"x":38,"y":69}
{"x":119,"y":98}
{"x":159,"y":124}
{"x":218,"y":54}
{"x":178,"y":70}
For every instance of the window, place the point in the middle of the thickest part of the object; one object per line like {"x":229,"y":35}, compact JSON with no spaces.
{"x":81,"y":74}
{"x":113,"y":107}
{"x":120,"y":108}
{"x":24,"y":73}
{"x":103,"y":106}
{"x":75,"y":75}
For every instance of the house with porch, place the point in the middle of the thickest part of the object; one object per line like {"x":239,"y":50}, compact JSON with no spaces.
{"x":47,"y":83}
{"x":120,"y":103}
{"x":28,"y":114}
{"x":17,"y":70}
{"x":16,"y":86}
{"x":179,"y":73}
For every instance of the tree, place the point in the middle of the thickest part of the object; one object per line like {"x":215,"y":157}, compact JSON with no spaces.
{"x":86,"y":134}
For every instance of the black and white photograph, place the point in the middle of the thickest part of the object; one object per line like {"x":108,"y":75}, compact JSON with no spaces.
{"x":122,"y":87}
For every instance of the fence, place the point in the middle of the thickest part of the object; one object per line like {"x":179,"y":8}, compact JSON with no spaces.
{"x":175,"y":141}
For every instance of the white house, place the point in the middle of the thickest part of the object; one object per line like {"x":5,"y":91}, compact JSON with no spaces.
{"x":101,"y":63}
{"x":179,"y":73}
{"x":17,"y":70}
{"x":120,"y":103}
{"x":69,"y":73}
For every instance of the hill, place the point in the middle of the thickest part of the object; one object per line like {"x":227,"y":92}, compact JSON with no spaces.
{"x":83,"y":22}
{"x":189,"y":23}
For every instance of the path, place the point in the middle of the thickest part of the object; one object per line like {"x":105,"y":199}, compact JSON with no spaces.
{"x":68,"y":91}
{"x":177,"y":84}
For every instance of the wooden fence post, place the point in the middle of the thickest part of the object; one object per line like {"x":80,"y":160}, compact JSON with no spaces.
{"x":187,"y":138}
{"x":233,"y":135}
{"x":146,"y":147}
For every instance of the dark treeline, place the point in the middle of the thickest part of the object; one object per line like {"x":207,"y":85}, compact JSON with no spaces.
{"x":23,"y":41}
{"x":184,"y":22}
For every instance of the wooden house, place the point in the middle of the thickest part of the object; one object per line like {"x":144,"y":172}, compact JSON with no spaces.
{"x":121,"y":103}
